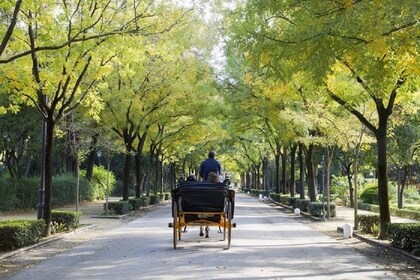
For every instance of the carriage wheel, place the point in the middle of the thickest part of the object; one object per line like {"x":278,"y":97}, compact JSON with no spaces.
{"x":225,"y":217}
{"x":175,"y":224}
{"x":229,"y":223}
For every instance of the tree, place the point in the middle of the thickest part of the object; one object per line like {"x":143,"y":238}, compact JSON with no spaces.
{"x":60,"y":53}
{"x":372,"y":43}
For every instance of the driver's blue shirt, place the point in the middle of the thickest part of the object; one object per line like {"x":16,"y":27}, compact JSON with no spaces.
{"x":209,"y":165}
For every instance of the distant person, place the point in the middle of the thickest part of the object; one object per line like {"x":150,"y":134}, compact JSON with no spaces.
{"x":226,"y":181}
{"x":191,"y":178}
{"x":181,"y":178}
{"x":210,"y":165}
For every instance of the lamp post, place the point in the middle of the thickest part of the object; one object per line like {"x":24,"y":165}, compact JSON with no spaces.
{"x":99,"y":154}
{"x":40,"y":205}
{"x":107,"y":185}
{"x":323,"y":187}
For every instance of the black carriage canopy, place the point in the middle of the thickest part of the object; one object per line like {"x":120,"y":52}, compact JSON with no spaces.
{"x":202,"y":196}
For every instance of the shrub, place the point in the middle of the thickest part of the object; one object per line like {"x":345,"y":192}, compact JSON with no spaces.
{"x":340,"y":187}
{"x":369,"y":194}
{"x":67,"y":220}
{"x":154,"y":199}
{"x":318,"y":208}
{"x":405,"y":213}
{"x":405,"y":236}
{"x":367,"y":223}
{"x":291,"y":201}
{"x":302,"y":204}
{"x":284,"y":199}
{"x":161,"y":196}
{"x":118,"y":207}
{"x":167,"y":195}
{"x":368,"y":207}
{"x":20,"y":233}
{"x":7,"y":195}
{"x":98,"y":187}
{"x":144,"y":200}
{"x":135,"y":203}
{"x":275,"y":197}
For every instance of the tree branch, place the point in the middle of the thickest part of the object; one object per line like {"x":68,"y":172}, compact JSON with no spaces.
{"x":352,"y":110}
{"x":11,"y":27}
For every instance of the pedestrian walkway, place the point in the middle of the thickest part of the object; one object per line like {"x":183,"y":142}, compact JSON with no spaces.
{"x":92,"y":214}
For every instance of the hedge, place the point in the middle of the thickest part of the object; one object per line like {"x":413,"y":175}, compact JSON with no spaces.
{"x":20,"y":233}
{"x":405,"y":236}
{"x":118,"y":207}
{"x":135,"y":203}
{"x":66,"y":220}
{"x":367,"y":223}
{"x":154,"y":198}
{"x":302,"y":204}
{"x":318,"y":208}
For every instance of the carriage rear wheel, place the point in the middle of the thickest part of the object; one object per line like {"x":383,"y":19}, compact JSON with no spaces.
{"x":175,"y":225}
{"x":229,"y":224}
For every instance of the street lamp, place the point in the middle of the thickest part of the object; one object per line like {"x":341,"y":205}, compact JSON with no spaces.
{"x":99,"y":154}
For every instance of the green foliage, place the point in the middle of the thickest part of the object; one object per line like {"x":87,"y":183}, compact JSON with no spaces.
{"x":275,"y":197}
{"x":405,"y":236}
{"x":144,"y":200}
{"x":20,"y":193}
{"x":7,"y":195}
{"x":405,"y":213}
{"x":291,"y":201}
{"x":67,"y":219}
{"x":98,"y":188}
{"x":340,"y":187}
{"x":318,"y":209}
{"x":23,"y":193}
{"x":302,"y":204}
{"x":154,"y":199}
{"x":20,"y":233}
{"x":167,"y":195}
{"x":135,"y":203}
{"x":368,"y":207}
{"x":367,"y":223}
{"x":370,"y":194}
{"x":118,"y":207}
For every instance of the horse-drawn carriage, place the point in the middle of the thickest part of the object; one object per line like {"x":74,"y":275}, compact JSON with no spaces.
{"x":202,"y":204}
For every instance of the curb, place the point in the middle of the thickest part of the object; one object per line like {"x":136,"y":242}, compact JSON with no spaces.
{"x":386,"y":246}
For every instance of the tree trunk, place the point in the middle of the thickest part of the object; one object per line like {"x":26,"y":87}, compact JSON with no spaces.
{"x":292,"y":170}
{"x":311,"y":174}
{"x":48,"y":175}
{"x":277,"y":163}
{"x":137,"y":162}
{"x":384,"y":213}
{"x":266,"y":174}
{"x":301,"y":172}
{"x":90,"y":161}
{"x":126,"y":180}
{"x":402,"y":178}
{"x":349,"y":175}
{"x":284,"y":171}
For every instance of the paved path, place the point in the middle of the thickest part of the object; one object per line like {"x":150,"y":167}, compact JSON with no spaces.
{"x":267,"y":244}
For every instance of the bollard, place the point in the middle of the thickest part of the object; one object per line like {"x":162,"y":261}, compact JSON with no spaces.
{"x":260,"y":197}
{"x":347,"y":231}
{"x":297,"y":211}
